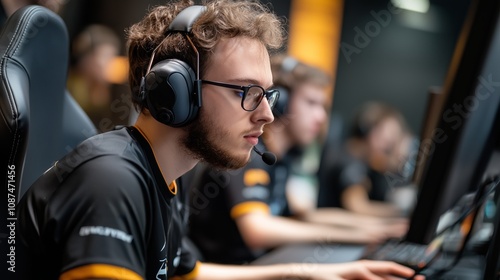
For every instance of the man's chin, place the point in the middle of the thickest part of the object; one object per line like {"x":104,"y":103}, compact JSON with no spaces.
{"x":227,"y":162}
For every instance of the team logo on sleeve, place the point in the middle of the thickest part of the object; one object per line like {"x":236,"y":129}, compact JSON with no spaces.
{"x":256,"y":181}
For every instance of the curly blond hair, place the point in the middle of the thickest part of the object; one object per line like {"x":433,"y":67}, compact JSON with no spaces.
{"x":222,"y":19}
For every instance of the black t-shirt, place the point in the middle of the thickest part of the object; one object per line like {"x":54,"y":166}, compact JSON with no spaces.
{"x":103,"y":211}
{"x":343,"y":171}
{"x":219,"y":197}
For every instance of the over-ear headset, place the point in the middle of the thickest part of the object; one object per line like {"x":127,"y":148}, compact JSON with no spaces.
{"x":170,"y":89}
{"x":280,"y":108}
{"x":287,"y":66}
{"x":361,"y":128}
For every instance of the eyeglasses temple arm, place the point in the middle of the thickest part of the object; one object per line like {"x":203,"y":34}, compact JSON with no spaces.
{"x":197,"y":83}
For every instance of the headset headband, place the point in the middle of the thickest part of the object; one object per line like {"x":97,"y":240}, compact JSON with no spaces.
{"x":183,"y":22}
{"x":288,"y":64}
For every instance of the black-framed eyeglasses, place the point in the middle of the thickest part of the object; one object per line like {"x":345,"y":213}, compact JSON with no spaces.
{"x":251,"y":95}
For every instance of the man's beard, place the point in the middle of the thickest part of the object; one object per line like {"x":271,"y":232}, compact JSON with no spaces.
{"x":202,"y":143}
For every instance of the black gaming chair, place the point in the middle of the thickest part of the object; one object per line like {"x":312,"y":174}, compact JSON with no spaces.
{"x":39,"y":120}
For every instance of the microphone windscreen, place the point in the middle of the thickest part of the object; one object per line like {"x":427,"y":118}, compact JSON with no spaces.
{"x":268,"y":158}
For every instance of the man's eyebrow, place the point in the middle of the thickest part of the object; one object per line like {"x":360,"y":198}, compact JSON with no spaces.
{"x":270,"y":87}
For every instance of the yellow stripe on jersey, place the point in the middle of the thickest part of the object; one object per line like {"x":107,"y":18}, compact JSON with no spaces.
{"x":254,"y":177}
{"x":100,"y":271}
{"x":173,"y":187}
{"x":249,"y":207}
{"x":190,"y":276}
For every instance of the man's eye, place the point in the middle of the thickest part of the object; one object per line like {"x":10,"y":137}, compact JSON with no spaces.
{"x":239,"y":93}
{"x":253,"y":93}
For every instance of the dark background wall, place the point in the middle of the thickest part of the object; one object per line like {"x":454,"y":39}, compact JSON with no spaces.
{"x":403,"y":54}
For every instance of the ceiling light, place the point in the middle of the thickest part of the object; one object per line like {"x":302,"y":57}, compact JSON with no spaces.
{"x":420,"y":6}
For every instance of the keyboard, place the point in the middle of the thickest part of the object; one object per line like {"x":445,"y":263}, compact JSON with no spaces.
{"x":416,"y":256}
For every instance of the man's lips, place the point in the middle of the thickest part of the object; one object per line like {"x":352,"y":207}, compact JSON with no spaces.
{"x":253,"y":138}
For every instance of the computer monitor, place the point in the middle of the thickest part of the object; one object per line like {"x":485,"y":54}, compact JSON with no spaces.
{"x":464,"y":133}
{"x":492,"y":260}
{"x":431,"y":115}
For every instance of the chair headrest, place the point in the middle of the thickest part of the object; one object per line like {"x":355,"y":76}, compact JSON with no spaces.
{"x":34,"y":58}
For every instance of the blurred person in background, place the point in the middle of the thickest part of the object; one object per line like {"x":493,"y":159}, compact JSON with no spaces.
{"x":373,"y":161}
{"x":97,"y":73}
{"x":92,"y":76}
{"x":239,"y":215}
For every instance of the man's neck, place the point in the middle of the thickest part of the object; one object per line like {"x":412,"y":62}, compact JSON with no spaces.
{"x":164,"y":140}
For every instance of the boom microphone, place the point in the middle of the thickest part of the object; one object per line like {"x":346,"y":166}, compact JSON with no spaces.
{"x":267,"y":157}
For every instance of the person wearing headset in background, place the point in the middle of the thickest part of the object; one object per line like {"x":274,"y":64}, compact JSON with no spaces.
{"x":111,"y":208}
{"x":374,"y":160}
{"x":237,"y":216}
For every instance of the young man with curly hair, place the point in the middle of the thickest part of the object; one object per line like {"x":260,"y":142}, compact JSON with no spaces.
{"x":111,"y":208}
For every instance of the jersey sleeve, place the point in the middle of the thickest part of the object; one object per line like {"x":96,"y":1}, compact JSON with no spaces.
{"x":99,"y":217}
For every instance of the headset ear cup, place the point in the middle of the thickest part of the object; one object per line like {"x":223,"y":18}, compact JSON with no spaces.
{"x":165,"y":115}
{"x":358,"y":130}
{"x":281,"y":105}
{"x":170,"y":93}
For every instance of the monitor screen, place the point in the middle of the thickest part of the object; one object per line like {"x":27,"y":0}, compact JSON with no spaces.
{"x":463,"y":132}
{"x":492,"y":264}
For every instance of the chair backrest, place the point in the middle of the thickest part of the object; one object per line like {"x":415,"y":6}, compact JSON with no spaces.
{"x":39,"y":120}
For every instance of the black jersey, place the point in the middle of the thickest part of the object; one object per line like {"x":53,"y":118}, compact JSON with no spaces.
{"x":344,"y":171}
{"x":219,"y":197}
{"x":104,"y":211}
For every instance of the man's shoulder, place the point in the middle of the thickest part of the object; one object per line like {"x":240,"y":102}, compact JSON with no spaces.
{"x":105,"y":152}
{"x":112,"y":142}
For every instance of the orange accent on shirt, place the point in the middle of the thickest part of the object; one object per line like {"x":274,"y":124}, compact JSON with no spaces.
{"x":100,"y":271}
{"x":254,"y":177}
{"x":173,"y":187}
{"x":249,"y":207}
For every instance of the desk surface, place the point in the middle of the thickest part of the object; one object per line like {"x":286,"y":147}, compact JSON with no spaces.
{"x":468,"y":268}
{"x":312,"y":253}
